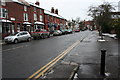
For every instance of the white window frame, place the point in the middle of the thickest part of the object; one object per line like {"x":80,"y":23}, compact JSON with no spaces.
{"x":25,"y":8}
{"x":34,"y":9}
{"x":3,"y":3}
{"x":41,"y":18}
{"x":41,"y":11}
{"x":3,"y":13}
{"x":35,"y":16}
{"x":12,"y":27}
{"x":25,"y":17}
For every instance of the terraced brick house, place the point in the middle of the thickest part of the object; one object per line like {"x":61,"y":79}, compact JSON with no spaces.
{"x":19,"y":15}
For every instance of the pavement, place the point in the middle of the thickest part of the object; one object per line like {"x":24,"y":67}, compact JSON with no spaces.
{"x":2,"y":42}
{"x":63,"y":71}
{"x":84,"y":61}
{"x":0,"y":65}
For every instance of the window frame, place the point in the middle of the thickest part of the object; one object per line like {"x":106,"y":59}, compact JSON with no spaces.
{"x":35,"y":16}
{"x":25,"y":16}
{"x":34,"y":9}
{"x":41,"y":18}
{"x":3,"y":3}
{"x":3,"y":13}
{"x":25,"y":8}
{"x":41,"y":11}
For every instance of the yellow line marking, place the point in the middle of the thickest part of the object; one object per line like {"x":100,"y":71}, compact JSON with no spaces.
{"x":45,"y":66}
{"x":40,"y":74}
{"x":53,"y":61}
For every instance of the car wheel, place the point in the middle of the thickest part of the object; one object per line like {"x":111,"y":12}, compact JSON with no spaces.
{"x":48,"y":35}
{"x":15,"y":41}
{"x":6,"y":42}
{"x":28,"y":39}
{"x":42,"y":36}
{"x":34,"y":38}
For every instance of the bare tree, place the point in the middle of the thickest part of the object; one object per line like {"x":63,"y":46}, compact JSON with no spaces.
{"x":101,"y":15}
{"x":77,"y":20}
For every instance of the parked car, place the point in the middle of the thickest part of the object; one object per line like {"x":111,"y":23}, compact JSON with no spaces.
{"x":18,"y":37}
{"x":64,"y":31}
{"x":40,"y":33}
{"x":57,"y":32}
{"x":82,"y":29}
{"x":77,"y":30}
{"x":69,"y":31}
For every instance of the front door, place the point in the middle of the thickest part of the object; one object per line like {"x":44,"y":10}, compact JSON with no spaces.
{"x":12,"y":28}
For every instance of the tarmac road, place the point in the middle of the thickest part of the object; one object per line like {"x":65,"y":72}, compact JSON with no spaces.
{"x":23,"y":59}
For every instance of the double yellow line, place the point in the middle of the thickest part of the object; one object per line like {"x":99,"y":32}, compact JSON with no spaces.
{"x":45,"y":68}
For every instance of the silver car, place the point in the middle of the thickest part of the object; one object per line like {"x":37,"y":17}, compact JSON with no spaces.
{"x":17,"y":37}
{"x":57,"y":32}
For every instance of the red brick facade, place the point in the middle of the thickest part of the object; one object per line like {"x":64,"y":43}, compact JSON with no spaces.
{"x":54,"y":22}
{"x":28,"y":17}
{"x":89,"y":24}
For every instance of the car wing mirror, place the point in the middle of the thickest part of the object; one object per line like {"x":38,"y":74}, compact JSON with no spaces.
{"x":18,"y":35}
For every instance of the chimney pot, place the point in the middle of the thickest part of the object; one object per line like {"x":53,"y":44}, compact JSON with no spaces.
{"x":52,"y":10}
{"x":37,"y":3}
{"x":56,"y":11}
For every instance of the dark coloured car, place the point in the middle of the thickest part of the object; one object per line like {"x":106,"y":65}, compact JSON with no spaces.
{"x":40,"y":33}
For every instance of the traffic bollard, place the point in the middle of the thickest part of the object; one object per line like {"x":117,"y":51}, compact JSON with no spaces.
{"x":102,"y":66}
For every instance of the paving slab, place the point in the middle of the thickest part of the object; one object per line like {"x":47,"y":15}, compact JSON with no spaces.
{"x":63,"y":71}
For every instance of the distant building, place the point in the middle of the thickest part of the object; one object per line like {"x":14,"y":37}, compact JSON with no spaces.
{"x":115,"y":15}
{"x":89,"y":25}
{"x":53,"y":20}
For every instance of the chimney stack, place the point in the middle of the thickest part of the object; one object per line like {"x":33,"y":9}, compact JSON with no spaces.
{"x":37,"y":2}
{"x":56,"y":11}
{"x":52,"y":10}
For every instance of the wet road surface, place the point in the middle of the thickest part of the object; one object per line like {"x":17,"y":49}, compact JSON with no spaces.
{"x":23,"y":59}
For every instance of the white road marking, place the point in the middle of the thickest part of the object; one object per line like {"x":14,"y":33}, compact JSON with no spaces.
{"x":14,"y":48}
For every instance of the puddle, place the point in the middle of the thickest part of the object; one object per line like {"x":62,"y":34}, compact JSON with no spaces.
{"x":51,"y":72}
{"x":85,"y":69}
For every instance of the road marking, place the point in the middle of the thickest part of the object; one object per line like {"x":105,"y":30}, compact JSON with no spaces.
{"x":42,"y":70}
{"x":14,"y":48}
{"x":40,"y":74}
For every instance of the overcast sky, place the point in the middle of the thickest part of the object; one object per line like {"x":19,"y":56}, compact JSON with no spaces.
{"x":72,"y":8}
